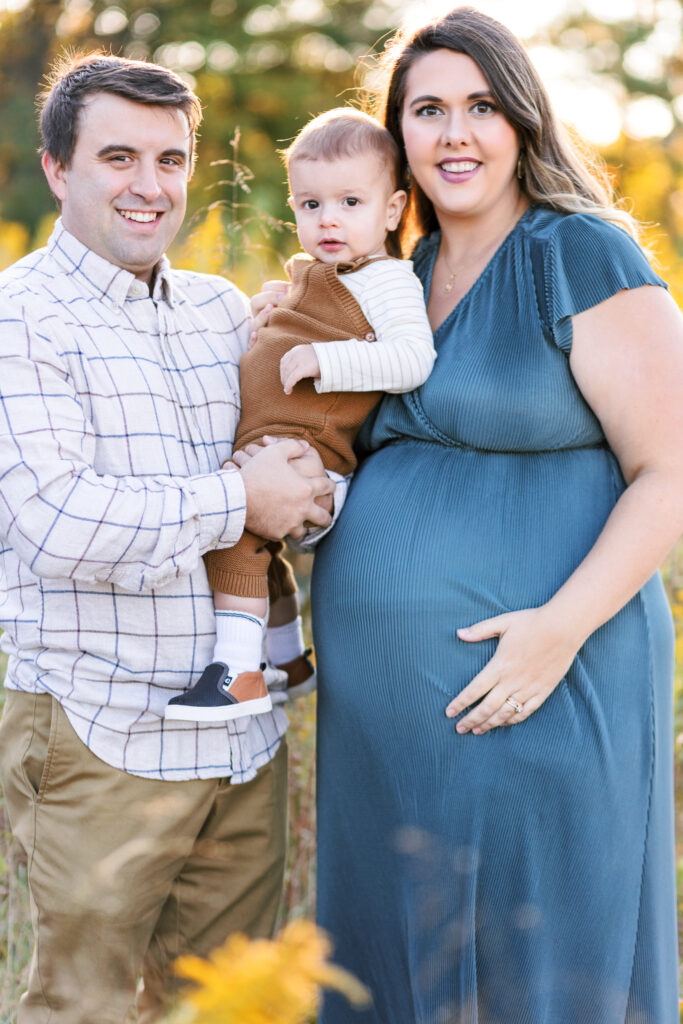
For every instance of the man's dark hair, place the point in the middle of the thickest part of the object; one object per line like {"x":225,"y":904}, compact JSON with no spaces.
{"x":74,"y":78}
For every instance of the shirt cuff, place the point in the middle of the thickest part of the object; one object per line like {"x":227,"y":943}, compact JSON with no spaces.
{"x":315,"y":534}
{"x":328,"y":381}
{"x":222,"y":505}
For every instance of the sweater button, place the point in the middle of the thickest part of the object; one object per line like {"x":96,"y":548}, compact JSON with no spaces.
{"x":370,"y":336}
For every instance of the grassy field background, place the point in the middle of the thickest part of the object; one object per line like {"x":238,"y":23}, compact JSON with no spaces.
{"x":298,"y":900}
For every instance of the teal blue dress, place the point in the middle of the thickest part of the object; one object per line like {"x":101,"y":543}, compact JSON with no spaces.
{"x":525,"y":876}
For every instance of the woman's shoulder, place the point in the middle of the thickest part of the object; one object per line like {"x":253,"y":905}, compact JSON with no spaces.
{"x":580,"y":235}
{"x":578,"y":260}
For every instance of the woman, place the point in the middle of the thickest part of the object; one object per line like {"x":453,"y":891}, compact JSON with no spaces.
{"x":495,"y":802}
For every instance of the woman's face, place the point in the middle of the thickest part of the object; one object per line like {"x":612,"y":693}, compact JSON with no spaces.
{"x":460,"y":148}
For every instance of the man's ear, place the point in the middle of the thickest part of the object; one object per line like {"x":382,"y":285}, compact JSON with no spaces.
{"x":55,"y":173}
{"x":395,"y":207}
{"x":290,"y":202}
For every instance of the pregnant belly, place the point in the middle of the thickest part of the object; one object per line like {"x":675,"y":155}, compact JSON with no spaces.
{"x":433,"y":538}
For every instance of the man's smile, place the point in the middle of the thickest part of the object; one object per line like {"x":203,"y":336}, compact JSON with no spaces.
{"x":141,"y":216}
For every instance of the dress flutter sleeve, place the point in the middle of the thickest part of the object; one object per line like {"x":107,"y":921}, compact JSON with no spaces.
{"x":587,"y":260}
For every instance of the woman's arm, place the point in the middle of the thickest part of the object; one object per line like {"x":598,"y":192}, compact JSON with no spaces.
{"x":627,"y":359}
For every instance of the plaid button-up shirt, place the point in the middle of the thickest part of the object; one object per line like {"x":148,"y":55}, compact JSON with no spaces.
{"x":117,"y":409}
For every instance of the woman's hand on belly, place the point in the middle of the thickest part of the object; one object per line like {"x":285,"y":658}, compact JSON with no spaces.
{"x":532,"y":657}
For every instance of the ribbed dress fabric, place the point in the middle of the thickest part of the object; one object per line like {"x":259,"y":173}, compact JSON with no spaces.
{"x":525,"y":876}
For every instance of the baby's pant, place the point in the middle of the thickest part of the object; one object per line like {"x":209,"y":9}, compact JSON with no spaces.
{"x":254,"y":567}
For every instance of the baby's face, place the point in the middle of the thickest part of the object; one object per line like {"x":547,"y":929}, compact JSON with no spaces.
{"x":344,"y":207}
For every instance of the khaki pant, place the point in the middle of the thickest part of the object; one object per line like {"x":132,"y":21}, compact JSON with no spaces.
{"x":127,"y":873}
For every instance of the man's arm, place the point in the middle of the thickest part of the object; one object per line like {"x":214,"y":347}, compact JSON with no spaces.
{"x":65,"y":520}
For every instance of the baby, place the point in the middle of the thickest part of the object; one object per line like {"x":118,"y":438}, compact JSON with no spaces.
{"x":353,"y":325}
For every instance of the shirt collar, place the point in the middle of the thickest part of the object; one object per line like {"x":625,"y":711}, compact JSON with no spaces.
{"x":102,"y":278}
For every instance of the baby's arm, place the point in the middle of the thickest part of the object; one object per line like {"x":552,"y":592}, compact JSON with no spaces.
{"x":402,"y":356}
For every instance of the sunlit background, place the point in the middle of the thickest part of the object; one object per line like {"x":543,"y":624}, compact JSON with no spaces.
{"x":614,"y":69}
{"x":572,"y":63}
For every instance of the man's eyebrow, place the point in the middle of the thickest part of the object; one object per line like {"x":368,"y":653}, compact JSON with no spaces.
{"x":116,"y":148}
{"x":182,"y":153}
{"x":123,"y":148}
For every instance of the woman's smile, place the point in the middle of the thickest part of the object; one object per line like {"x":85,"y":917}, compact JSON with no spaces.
{"x":458,"y":171}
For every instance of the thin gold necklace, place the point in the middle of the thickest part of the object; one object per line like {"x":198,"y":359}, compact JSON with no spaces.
{"x":448,"y":287}
{"x":491,"y":247}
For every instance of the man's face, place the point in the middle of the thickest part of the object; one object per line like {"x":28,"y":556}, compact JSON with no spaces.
{"x":124,"y":193}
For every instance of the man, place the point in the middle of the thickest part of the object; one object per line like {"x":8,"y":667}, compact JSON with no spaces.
{"x":119,"y":400}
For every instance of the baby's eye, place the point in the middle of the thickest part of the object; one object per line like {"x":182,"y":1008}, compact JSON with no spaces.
{"x":351,"y":201}
{"x":310,"y":204}
{"x":428,"y":110}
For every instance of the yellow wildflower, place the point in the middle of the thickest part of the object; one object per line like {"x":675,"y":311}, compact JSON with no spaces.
{"x":266,"y":982}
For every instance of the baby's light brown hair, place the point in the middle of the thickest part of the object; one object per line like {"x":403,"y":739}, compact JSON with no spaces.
{"x":347,"y":132}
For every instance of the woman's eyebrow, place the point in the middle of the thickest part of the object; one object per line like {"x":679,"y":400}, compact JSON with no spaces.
{"x":484,"y":94}
{"x":425,"y":99}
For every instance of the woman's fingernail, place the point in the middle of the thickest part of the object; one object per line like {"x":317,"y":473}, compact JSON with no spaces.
{"x":464,"y":631}
{"x":478,"y":731}
{"x":460,"y":727}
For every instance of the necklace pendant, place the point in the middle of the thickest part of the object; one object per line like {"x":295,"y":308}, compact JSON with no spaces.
{"x":449,"y":287}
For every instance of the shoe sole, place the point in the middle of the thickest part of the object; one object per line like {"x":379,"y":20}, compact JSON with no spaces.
{"x":225,"y":713}
{"x":303,"y":689}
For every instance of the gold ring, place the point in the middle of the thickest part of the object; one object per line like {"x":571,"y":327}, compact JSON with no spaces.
{"x":514,"y":704}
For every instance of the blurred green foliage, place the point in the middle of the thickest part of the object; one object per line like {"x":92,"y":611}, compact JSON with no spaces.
{"x":261,"y":71}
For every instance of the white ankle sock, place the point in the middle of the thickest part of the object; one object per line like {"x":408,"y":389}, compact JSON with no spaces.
{"x":284,"y":643}
{"x":239,"y":638}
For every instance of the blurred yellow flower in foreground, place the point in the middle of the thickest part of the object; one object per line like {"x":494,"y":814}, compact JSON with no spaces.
{"x":263,"y":981}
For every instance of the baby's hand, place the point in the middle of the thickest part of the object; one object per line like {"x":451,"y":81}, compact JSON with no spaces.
{"x":263,"y":304}
{"x":301,"y":361}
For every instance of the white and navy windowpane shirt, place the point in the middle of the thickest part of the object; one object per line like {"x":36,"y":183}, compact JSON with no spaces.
{"x":117,"y":409}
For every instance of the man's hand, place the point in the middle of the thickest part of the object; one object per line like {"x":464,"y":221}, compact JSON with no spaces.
{"x":283,"y":481}
{"x":300,"y":362}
